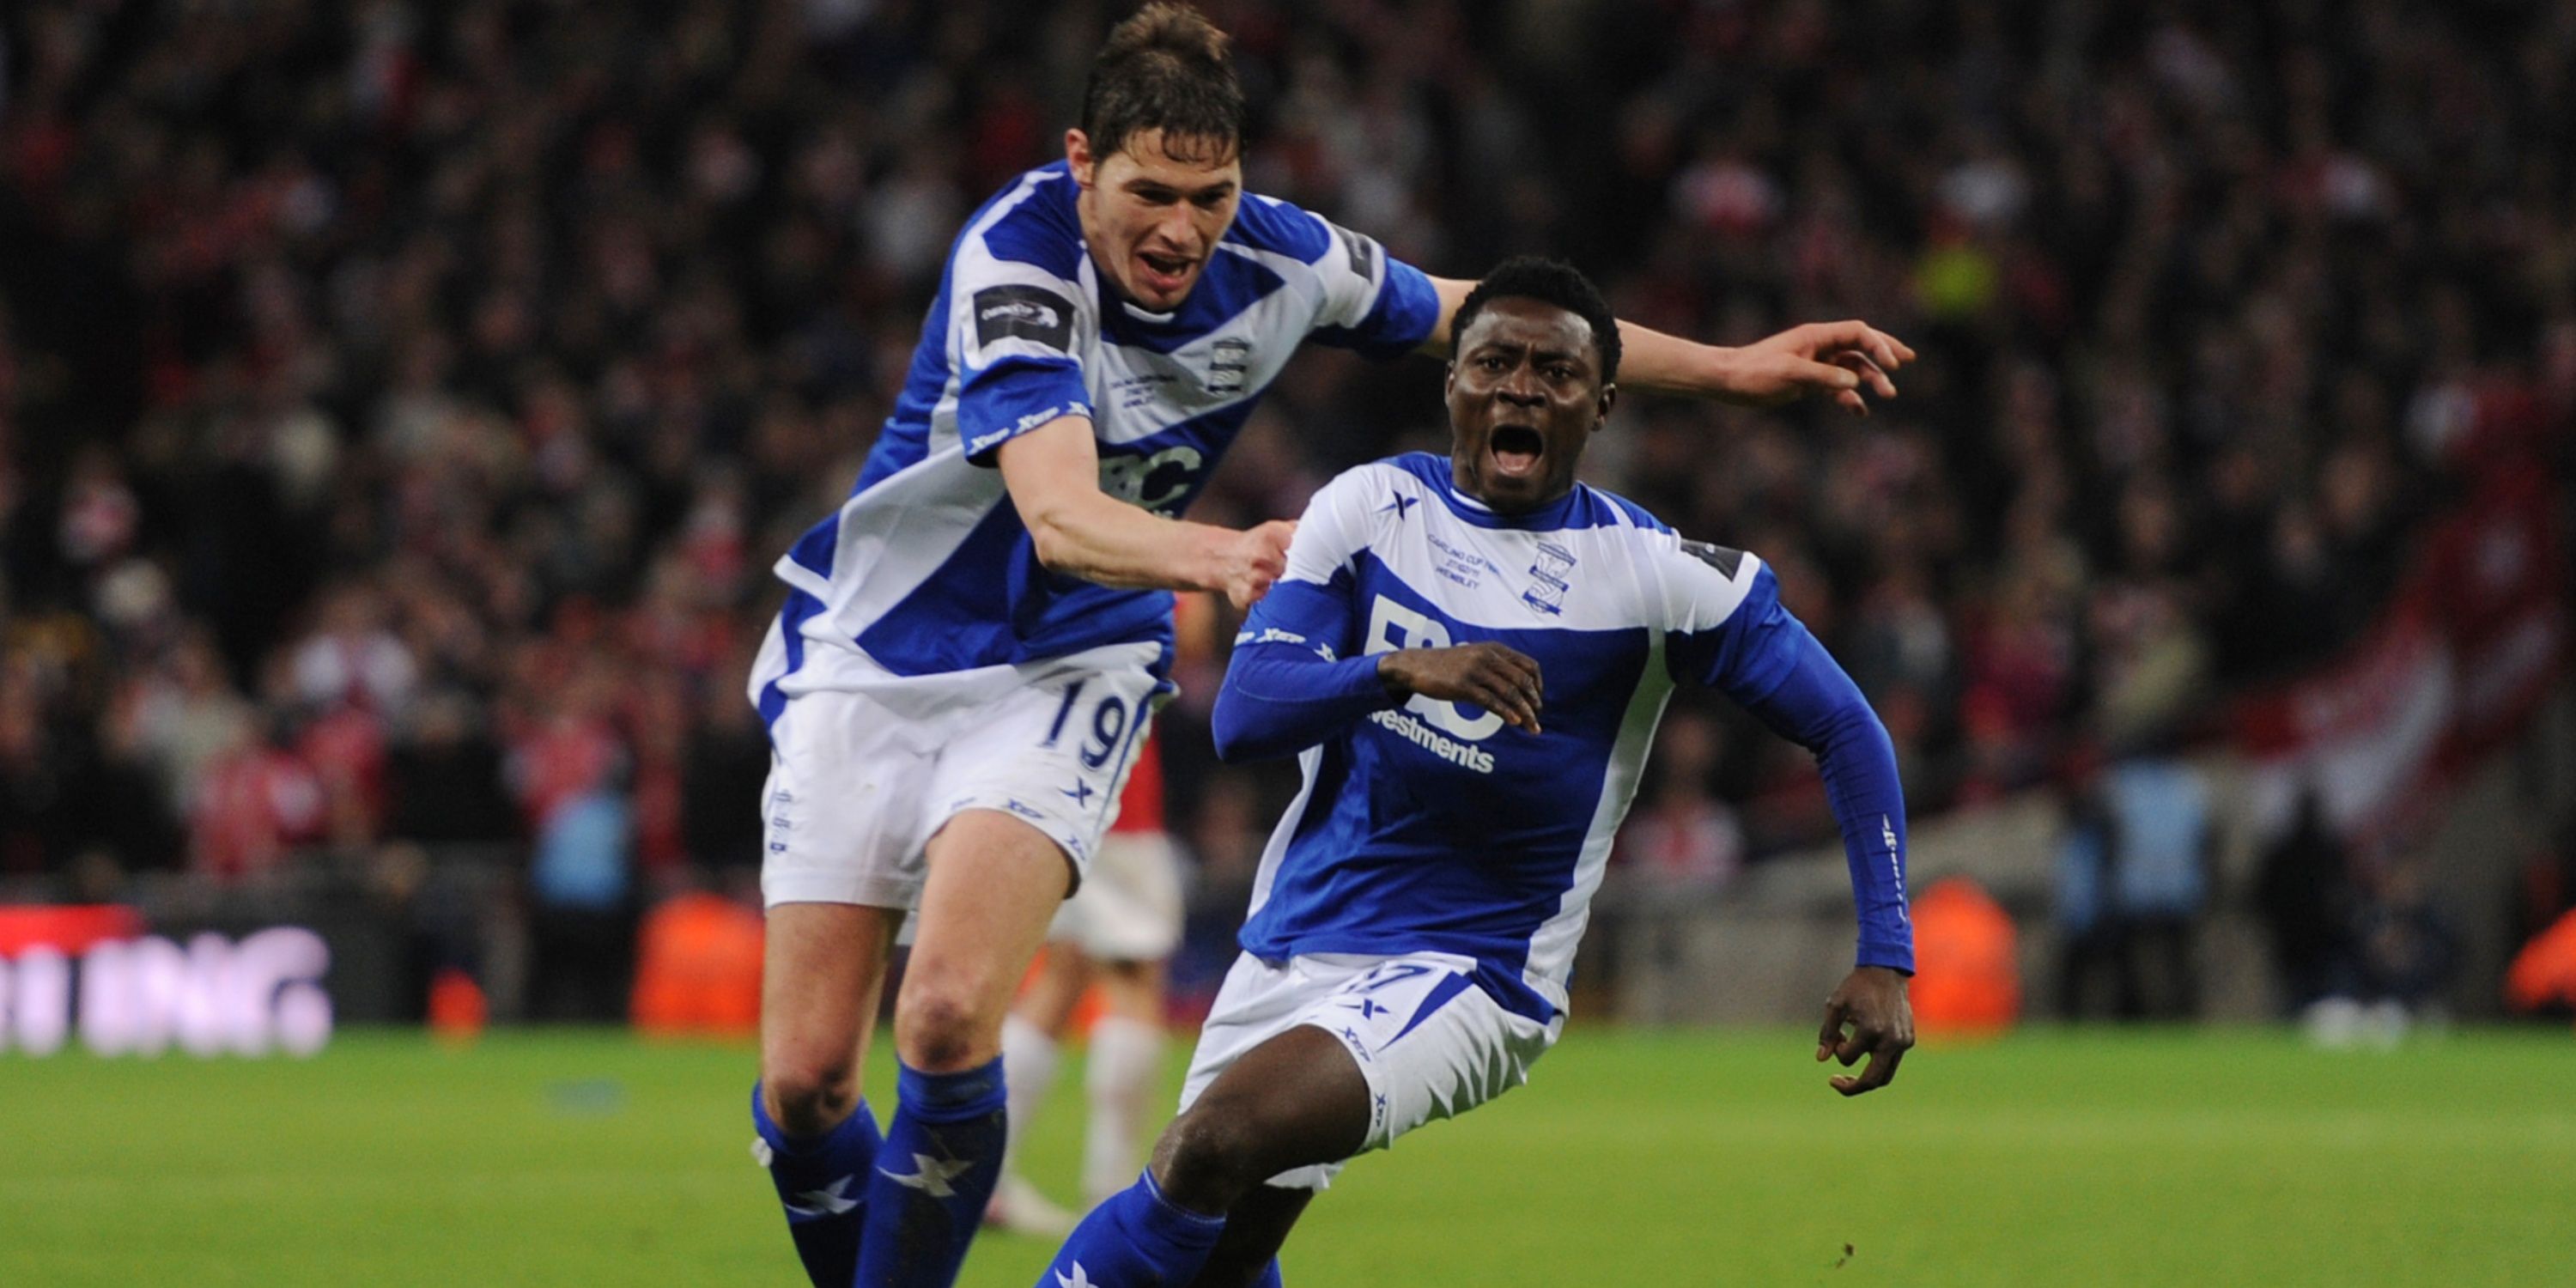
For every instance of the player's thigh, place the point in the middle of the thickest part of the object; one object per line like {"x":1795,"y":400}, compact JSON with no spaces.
{"x":1130,"y":907}
{"x":1132,"y":990}
{"x":994,"y":884}
{"x":843,"y":818}
{"x":1051,"y":748}
{"x":1296,"y":1099}
{"x":822,"y":967}
{"x":1265,"y":1091}
{"x":1430,"y":1042}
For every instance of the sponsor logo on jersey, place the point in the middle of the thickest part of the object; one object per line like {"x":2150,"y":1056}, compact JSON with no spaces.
{"x":1393,"y":626}
{"x":1431,"y":740}
{"x":1160,"y":482}
{"x":1725,"y":561}
{"x":1016,"y":310}
{"x":1361,"y":251}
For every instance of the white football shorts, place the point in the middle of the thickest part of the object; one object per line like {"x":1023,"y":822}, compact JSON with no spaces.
{"x":864,"y":772}
{"x":1430,"y":1043}
{"x":1129,"y":908}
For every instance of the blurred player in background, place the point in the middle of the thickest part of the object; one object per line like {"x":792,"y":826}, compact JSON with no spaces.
{"x":1416,"y":913}
{"x":1118,"y":932}
{"x":971,"y":646}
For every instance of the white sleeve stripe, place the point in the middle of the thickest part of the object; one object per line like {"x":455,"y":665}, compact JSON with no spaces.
{"x":1335,"y":528}
{"x":1348,"y":295}
{"x":1704,"y":598}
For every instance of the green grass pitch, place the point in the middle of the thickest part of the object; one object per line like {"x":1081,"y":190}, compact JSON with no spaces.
{"x":2065,"y":1158}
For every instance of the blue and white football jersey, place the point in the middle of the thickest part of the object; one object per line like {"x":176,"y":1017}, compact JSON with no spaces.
{"x":1432,"y":825}
{"x":926,"y":568}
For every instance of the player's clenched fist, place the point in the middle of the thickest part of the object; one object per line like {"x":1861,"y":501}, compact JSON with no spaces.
{"x":1490,"y":675}
{"x":1257,"y":558}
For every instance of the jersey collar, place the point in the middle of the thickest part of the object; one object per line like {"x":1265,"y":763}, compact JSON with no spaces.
{"x":1572,"y":510}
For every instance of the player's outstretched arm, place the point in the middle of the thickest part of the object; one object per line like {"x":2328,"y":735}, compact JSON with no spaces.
{"x":1850,"y":361}
{"x":1768,"y":661}
{"x":1053,"y":473}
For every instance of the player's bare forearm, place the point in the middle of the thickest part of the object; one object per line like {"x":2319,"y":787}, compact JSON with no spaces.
{"x":1850,"y":361}
{"x":1053,"y":475}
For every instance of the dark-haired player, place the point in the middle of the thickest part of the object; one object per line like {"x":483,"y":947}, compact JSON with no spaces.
{"x":1469,"y":655}
{"x":971,"y":646}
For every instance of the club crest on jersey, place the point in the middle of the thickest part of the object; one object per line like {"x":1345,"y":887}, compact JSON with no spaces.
{"x":1228,"y":361}
{"x":1551,"y":575}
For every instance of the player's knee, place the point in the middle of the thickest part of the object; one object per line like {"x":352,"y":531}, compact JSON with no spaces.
{"x":809,"y":1097}
{"x":942,"y":1030}
{"x":1208,"y":1158}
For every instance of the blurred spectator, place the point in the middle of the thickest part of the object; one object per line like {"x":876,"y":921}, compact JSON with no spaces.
{"x":2132,"y":876}
{"x":444,"y":777}
{"x":2088,"y":924}
{"x":2408,"y":949}
{"x":581,"y":884}
{"x":255,"y":801}
{"x":2161,"y":847}
{"x":2303,"y":891}
{"x":1682,"y":838}
{"x":182,"y":714}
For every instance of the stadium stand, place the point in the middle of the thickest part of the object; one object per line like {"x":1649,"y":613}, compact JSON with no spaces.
{"x":399,"y":402}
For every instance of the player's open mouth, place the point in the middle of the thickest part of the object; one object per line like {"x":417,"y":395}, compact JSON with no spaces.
{"x":1516,"y":450}
{"x":1164,"y":272}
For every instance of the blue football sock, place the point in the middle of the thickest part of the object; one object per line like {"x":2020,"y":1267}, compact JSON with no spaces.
{"x":942,"y":1154}
{"x":821,"y":1183}
{"x":1138,"y":1239}
{"x":1270,"y":1276}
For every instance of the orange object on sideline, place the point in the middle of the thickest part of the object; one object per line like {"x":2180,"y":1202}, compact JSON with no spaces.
{"x":697,"y":968}
{"x":1967,"y":964}
{"x":2544,"y":972}
{"x":457,"y":1008}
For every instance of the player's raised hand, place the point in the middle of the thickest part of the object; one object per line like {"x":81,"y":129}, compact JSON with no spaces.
{"x":1871,"y":1005}
{"x":1499,"y":679}
{"x":1256,"y":559}
{"x":1840,"y":358}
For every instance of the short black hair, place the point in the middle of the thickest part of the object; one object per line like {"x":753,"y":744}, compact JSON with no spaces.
{"x":1549,"y":281}
{"x":1165,"y":68}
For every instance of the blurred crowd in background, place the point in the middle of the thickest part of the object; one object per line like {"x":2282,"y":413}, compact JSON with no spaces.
{"x":400,"y":403}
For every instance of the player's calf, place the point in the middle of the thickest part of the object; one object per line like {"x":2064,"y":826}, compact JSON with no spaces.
{"x":822,"y":1180}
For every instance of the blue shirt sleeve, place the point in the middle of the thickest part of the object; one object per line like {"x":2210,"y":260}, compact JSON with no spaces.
{"x":1398,"y":321}
{"x":1367,"y":300}
{"x":1017,"y":325}
{"x":1767,"y":661}
{"x":1290,"y":685}
{"x":1014,"y":395}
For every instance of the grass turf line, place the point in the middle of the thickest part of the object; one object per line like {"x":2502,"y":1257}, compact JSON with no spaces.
{"x":2092,"y":1157}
